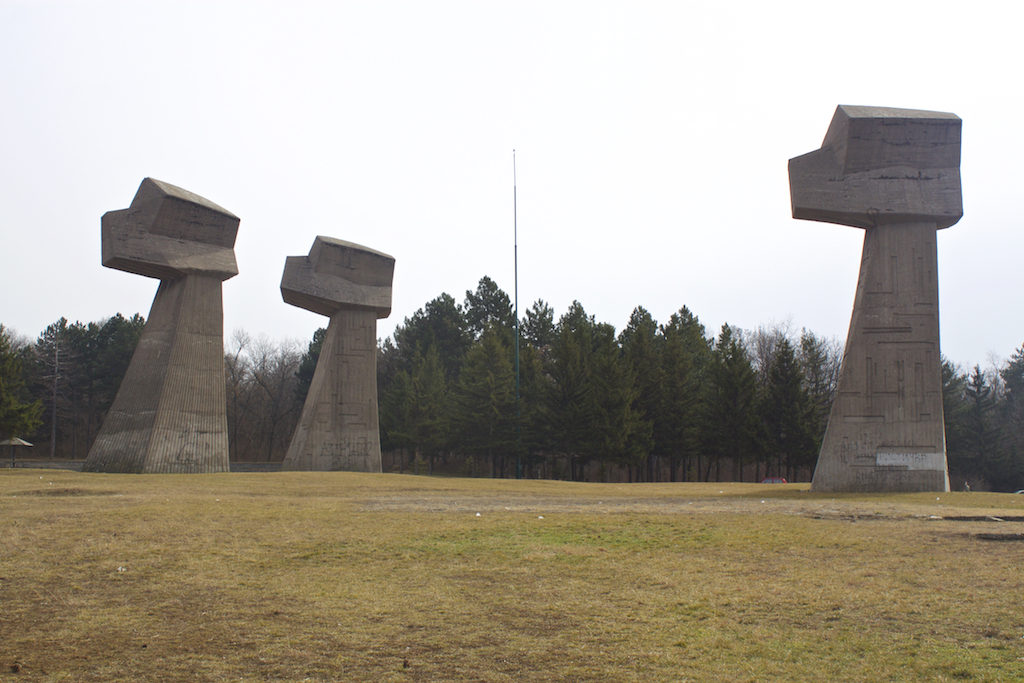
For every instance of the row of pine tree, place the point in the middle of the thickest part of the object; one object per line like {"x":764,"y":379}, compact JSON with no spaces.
{"x":654,"y":402}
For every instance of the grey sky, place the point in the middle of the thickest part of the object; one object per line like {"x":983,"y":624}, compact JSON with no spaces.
{"x":651,"y":138}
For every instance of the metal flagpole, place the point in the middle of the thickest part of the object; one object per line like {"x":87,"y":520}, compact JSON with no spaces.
{"x":515,"y":257}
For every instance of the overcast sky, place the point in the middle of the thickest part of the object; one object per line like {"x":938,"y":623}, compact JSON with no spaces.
{"x":652,"y":140}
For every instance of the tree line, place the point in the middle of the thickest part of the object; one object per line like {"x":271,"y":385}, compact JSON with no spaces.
{"x":652,"y":402}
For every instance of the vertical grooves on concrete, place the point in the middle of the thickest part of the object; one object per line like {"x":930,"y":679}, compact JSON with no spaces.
{"x":170,"y":413}
{"x":124,"y":438}
{"x":339,"y":427}
{"x":873,"y":418}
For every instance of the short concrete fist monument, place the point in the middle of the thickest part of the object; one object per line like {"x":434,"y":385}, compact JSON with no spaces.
{"x":339,"y":427}
{"x":170,"y":413}
{"x":895,"y":173}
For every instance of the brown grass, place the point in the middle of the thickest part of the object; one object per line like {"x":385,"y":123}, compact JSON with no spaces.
{"x":336,"y":576}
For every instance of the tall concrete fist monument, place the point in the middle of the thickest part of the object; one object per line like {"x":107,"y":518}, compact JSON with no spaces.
{"x":339,"y":427}
{"x":895,"y":173}
{"x":170,"y":413}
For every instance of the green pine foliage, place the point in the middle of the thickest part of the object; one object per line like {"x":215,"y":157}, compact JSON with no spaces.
{"x":19,"y":413}
{"x":569,"y":409}
{"x":538,"y":325}
{"x":641,"y":351}
{"x":653,"y":402}
{"x":730,"y":422}
{"x":788,"y":414}
{"x":488,"y":308}
{"x":76,"y":371}
{"x":484,"y":403}
{"x":414,"y":412}
{"x":984,"y":417}
{"x":1010,"y":415}
{"x":307,"y":364}
{"x":440,"y":324}
{"x":819,"y":363}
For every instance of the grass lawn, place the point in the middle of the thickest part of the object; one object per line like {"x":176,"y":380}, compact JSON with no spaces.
{"x":340,"y":576}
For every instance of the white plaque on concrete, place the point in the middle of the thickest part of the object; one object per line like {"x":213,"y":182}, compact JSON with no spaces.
{"x":912,"y":461}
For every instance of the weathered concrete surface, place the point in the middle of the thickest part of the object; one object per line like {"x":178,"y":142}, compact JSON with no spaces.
{"x":339,"y":427}
{"x":896,"y":173}
{"x":170,"y":413}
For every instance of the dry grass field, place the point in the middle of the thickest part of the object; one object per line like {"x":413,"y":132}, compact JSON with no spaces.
{"x":339,"y":577}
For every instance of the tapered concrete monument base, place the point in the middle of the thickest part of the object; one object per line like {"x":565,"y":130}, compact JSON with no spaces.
{"x":339,"y":429}
{"x":170,"y":411}
{"x":885,"y":431}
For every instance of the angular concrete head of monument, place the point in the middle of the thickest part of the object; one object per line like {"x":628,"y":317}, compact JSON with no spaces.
{"x":881,"y":165}
{"x":339,"y":275}
{"x":339,"y":427}
{"x":895,"y":173}
{"x":169,"y":232}
{"x":170,"y":413}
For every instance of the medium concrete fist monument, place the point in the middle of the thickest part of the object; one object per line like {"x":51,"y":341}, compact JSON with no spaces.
{"x":339,"y":427}
{"x":170,"y":413}
{"x":895,"y":173}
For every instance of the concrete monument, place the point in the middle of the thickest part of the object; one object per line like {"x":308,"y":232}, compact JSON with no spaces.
{"x":339,"y":427}
{"x":170,"y":413}
{"x":896,"y":174}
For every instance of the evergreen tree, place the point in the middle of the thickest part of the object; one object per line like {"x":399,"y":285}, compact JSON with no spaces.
{"x":1011,"y":414}
{"x":483,"y":402}
{"x":685,"y":358}
{"x":570,"y":406}
{"x":621,"y":434}
{"x":414,"y":411}
{"x":488,"y":307}
{"x":589,"y":411}
{"x":531,"y":436}
{"x":538,"y":326}
{"x":787,"y":413}
{"x":730,"y":423}
{"x":440,"y":324}
{"x":819,"y":361}
{"x":307,"y":364}
{"x":77,"y":371}
{"x":980,"y":438}
{"x":19,"y":414}
{"x":954,"y":413}
{"x":640,"y":349}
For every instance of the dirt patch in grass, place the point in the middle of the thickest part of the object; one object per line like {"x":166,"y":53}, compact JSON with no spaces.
{"x":57,"y":492}
{"x":1000,"y":537}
